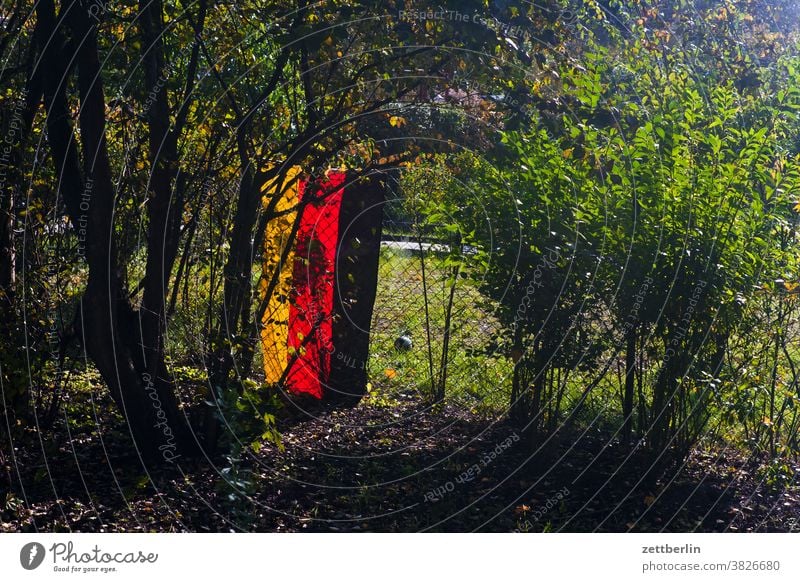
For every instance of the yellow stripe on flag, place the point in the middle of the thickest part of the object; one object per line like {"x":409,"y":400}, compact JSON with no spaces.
{"x":275,"y":329}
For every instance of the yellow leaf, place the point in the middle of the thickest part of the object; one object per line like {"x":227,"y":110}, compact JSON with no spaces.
{"x":396,"y":121}
{"x":390,"y":373}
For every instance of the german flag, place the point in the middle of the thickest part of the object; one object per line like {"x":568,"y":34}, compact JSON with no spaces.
{"x":315,"y":332}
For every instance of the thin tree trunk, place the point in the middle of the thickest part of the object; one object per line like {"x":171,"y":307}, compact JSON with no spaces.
{"x":630,"y":379}
{"x":427,"y":310}
{"x":448,"y":319}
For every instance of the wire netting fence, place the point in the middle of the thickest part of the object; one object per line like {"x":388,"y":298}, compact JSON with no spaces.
{"x":434,"y":334}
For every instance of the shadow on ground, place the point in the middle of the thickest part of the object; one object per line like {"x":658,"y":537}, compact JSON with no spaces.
{"x":406,"y":468}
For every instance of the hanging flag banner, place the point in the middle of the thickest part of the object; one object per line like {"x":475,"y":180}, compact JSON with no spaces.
{"x":325,"y":290}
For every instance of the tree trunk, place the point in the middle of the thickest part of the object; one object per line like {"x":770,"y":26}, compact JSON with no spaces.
{"x":7,"y":256}
{"x":236,"y":291}
{"x":165,"y":206}
{"x":538,"y":391}
{"x":162,"y":210}
{"x":661,"y":411}
{"x":630,"y":380}
{"x":448,"y":328}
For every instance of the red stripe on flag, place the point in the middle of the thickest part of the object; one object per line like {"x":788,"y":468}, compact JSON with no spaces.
{"x":310,"y":323}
